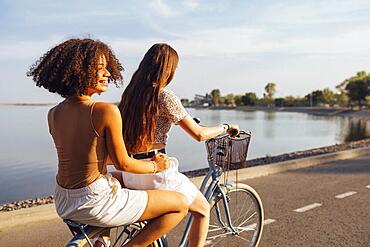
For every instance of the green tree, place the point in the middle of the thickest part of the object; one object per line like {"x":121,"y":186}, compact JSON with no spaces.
{"x":341,"y":99}
{"x":314,"y":98}
{"x":342,"y":86}
{"x":356,"y":87}
{"x":216,"y":97}
{"x":270,"y":90}
{"x":279,"y":102}
{"x":238,"y":100}
{"x":294,"y":101}
{"x":357,"y":91}
{"x":368,"y":100}
{"x":249,"y":99}
{"x":229,"y":100}
{"x":328,"y":96}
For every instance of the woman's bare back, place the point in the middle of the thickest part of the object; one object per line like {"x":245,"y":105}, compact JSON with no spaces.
{"x":83,"y":162}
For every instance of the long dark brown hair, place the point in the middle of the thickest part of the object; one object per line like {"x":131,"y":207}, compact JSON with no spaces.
{"x":139,"y":102}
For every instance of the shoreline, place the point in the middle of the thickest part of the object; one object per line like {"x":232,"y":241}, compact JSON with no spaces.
{"x":28,"y":104}
{"x":363,"y":114}
{"x":268,"y":160}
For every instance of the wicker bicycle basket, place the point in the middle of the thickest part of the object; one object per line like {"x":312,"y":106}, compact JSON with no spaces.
{"x":231,"y":152}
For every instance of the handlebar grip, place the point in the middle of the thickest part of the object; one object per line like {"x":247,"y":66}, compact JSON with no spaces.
{"x":233,"y":132}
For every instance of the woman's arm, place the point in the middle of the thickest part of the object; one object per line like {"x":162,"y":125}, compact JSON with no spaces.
{"x":107,"y":119}
{"x":176,"y":112}
{"x":202,"y":133}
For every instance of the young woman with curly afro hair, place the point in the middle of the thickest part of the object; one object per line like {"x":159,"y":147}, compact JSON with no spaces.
{"x":86,"y":133}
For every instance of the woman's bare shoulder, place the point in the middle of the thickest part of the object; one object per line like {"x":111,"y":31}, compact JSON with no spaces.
{"x":106,"y":108}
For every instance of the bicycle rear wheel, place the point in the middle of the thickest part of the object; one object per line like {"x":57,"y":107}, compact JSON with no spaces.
{"x":246,"y":212}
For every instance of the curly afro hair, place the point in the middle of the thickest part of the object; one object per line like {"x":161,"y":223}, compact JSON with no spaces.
{"x":71,"y":67}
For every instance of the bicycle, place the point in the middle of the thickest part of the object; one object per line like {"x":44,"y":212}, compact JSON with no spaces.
{"x":85,"y":235}
{"x":236,"y":209}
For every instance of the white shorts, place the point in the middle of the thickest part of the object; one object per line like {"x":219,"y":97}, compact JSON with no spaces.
{"x":170,"y":179}
{"x":102,"y":203}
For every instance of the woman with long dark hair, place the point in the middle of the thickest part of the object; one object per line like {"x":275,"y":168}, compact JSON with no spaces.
{"x":149,"y":110}
{"x":85,"y":133}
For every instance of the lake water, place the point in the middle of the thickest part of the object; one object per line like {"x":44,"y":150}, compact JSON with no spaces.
{"x":28,"y":161}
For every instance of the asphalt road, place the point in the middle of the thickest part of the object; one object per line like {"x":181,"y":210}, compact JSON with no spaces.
{"x":331,"y":221}
{"x":337,"y":222}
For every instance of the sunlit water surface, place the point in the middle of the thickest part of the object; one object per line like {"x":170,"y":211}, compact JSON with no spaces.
{"x":28,"y":161}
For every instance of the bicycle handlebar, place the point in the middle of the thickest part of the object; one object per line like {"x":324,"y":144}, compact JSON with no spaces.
{"x":197,"y":120}
{"x":235,"y":137}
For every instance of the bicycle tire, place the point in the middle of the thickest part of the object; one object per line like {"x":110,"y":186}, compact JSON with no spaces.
{"x":116,"y":238}
{"x":246,"y":211}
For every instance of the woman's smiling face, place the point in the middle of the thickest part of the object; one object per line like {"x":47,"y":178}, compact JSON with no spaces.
{"x":102,"y":77}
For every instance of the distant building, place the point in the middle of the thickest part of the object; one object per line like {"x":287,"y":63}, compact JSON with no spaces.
{"x":202,"y":100}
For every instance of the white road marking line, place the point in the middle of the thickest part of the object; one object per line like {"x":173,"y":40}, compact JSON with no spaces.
{"x":268,"y":221}
{"x":265,"y":222}
{"x":368,"y":186}
{"x":308,"y":207}
{"x":349,"y":193}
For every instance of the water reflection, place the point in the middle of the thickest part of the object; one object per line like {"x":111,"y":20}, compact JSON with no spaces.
{"x":24,"y":131}
{"x":269,"y":126}
{"x":270,"y":115}
{"x":250,"y":116}
{"x":357,"y":130}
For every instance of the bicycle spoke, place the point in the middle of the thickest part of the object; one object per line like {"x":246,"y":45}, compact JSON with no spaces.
{"x":230,"y":232}
{"x":246,"y":218}
{"x":217,"y":229}
{"x":212,"y":242}
{"x":238,"y":236}
{"x":213,"y":225}
{"x":244,"y":214}
{"x":219,"y":235}
{"x":248,"y":228}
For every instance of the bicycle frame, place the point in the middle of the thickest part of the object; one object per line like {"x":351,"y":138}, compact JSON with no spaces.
{"x":212,"y":191}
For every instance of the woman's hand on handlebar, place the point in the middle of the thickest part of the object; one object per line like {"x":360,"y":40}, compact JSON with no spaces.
{"x":233,"y":130}
{"x":162,"y":161}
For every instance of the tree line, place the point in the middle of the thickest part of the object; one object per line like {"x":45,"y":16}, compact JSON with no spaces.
{"x":354,"y":91}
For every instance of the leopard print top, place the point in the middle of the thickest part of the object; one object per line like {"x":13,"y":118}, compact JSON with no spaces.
{"x":171,"y":111}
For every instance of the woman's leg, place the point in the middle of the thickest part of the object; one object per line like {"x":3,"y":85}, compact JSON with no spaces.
{"x":200,"y":210}
{"x":165,"y":209}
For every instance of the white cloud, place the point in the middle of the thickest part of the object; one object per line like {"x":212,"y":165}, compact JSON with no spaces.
{"x":191,"y":3}
{"x":239,"y":42}
{"x":285,"y":41}
{"x":355,"y":41}
{"x":316,"y":12}
{"x":160,"y":8}
{"x":26,"y":49}
{"x":228,"y":42}
{"x":224,"y":42}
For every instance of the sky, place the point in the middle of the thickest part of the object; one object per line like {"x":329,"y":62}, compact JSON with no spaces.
{"x":237,"y":46}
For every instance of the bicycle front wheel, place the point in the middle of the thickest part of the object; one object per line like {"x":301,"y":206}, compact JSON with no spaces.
{"x":120,"y":236}
{"x":246,"y":214}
